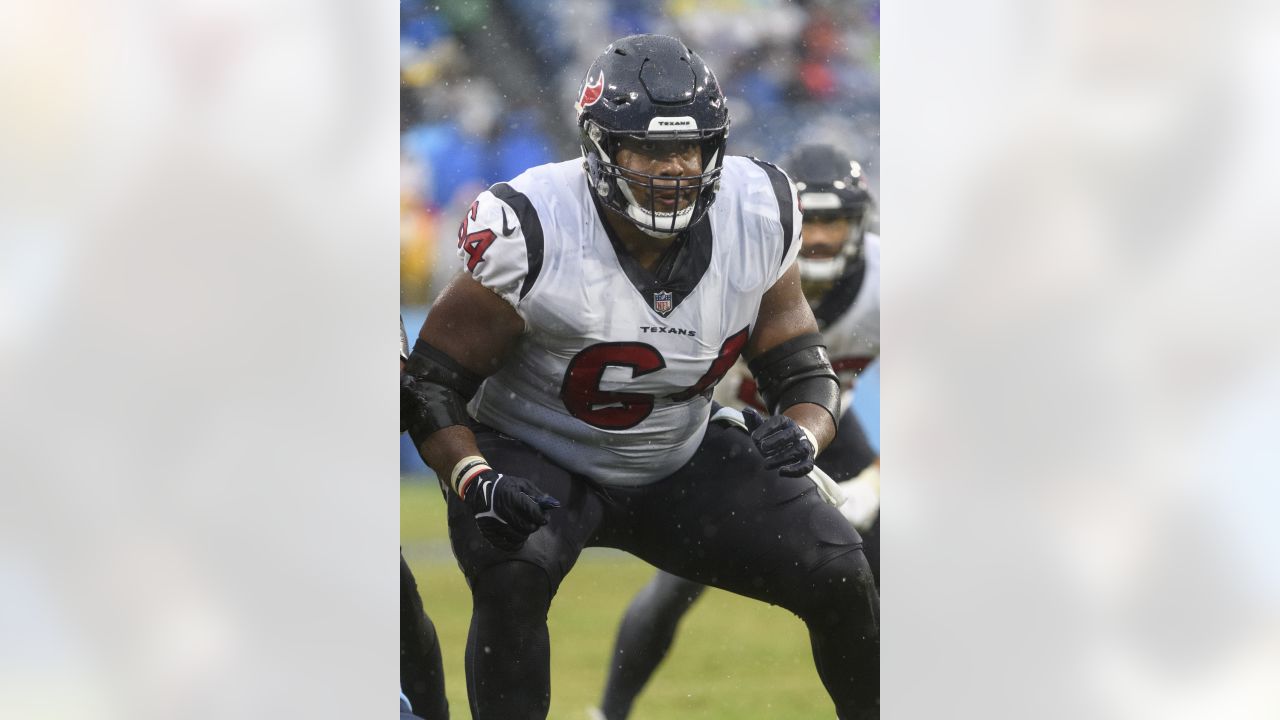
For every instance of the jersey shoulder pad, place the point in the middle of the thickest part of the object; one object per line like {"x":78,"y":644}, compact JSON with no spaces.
{"x":500,"y":242}
{"x":871,"y":248}
{"x":783,"y":221}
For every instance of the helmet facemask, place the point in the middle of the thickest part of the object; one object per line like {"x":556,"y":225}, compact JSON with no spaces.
{"x":620,"y":188}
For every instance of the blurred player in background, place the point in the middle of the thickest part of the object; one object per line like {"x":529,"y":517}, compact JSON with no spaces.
{"x":421,"y":667}
{"x":602,"y":300}
{"x":840,"y":274}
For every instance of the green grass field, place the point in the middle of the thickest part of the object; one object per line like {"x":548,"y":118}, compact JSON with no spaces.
{"x":733,"y":658}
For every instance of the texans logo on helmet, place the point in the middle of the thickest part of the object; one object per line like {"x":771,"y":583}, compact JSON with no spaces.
{"x":591,"y":92}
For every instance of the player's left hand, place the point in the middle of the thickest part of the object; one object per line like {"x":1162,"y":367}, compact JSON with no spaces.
{"x":781,"y":441}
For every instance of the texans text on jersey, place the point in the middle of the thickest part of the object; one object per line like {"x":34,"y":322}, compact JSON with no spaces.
{"x":667,"y":330}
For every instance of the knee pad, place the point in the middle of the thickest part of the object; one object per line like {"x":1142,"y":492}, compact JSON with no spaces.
{"x":839,"y":590}
{"x":513,"y":587}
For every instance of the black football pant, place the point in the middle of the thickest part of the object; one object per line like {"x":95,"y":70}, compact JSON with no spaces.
{"x":721,"y":520}
{"x":649,"y":625}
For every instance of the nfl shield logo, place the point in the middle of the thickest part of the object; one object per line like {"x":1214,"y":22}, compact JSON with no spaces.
{"x":662,"y":302}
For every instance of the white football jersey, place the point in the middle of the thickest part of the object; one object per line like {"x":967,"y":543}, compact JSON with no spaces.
{"x":851,"y":328}
{"x":849,"y":318}
{"x":613,"y":375}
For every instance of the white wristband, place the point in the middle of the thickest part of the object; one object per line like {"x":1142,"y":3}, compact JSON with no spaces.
{"x":813,"y":441}
{"x":465,"y":471}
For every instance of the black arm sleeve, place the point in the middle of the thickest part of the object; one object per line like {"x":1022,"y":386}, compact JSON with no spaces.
{"x":429,"y":363}
{"x":797,"y":371}
{"x":439,"y":391}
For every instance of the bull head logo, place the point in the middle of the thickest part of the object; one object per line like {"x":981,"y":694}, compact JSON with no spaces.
{"x":591,"y":92}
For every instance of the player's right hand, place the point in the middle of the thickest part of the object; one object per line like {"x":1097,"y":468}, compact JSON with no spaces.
{"x":507,"y":508}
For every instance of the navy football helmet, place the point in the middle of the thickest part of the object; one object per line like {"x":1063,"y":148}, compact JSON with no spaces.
{"x":831,"y":186}
{"x":651,"y":88}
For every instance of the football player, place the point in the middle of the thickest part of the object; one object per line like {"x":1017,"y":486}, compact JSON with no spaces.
{"x":840,"y":274}
{"x":421,"y":667}
{"x":563,"y":383}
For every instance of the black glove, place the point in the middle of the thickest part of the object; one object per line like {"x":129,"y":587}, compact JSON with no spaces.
{"x":507,"y":508}
{"x":781,"y":441}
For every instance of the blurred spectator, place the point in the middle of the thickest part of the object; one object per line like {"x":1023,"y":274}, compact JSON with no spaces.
{"x":417,"y":233}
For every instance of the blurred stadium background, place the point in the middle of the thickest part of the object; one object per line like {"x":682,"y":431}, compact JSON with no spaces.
{"x":487,"y":90}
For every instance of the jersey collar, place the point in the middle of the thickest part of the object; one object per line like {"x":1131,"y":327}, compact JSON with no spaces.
{"x":679,"y":269}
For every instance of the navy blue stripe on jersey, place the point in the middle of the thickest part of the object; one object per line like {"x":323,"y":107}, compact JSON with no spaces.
{"x":842,"y":294}
{"x":781,"y":191}
{"x":529,"y":224}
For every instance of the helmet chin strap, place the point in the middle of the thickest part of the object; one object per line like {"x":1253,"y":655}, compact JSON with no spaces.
{"x":648,"y":222}
{"x":824,"y":270}
{"x":677,"y":221}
